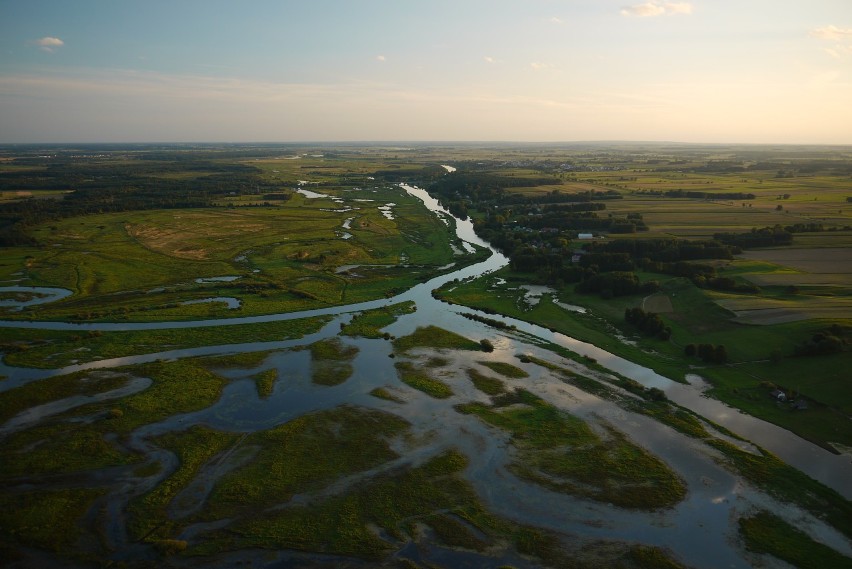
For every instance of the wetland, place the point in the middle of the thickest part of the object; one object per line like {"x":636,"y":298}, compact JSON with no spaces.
{"x":359,"y":418}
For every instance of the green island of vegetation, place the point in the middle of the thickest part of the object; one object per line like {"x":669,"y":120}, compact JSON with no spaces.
{"x":561,"y":452}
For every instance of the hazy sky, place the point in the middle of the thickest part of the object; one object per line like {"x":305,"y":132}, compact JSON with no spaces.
{"x":324,"y":70}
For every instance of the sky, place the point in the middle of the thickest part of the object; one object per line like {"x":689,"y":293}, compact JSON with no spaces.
{"x":727,"y":71}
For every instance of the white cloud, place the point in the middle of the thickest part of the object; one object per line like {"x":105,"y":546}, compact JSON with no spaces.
{"x":49,"y":43}
{"x":538,"y":66}
{"x":832,"y":33}
{"x":654,"y":8}
{"x":555,"y":20}
{"x":488,"y":59}
{"x":679,"y":7}
{"x":381,"y":58}
{"x":643,"y":10}
{"x":841,"y":36}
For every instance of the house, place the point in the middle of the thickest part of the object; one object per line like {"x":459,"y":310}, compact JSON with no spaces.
{"x":586,"y":236}
{"x":799,"y":405}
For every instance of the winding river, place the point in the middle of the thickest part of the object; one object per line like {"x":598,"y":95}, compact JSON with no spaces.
{"x":698,"y":529}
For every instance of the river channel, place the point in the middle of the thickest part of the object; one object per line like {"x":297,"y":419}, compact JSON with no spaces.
{"x":698,"y":529}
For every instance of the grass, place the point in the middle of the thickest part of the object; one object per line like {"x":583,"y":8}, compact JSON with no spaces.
{"x":194,"y":448}
{"x":764,"y":532}
{"x":304,"y":455}
{"x":505,"y":369}
{"x":51,"y":520}
{"x":341,"y":524}
{"x":60,"y":448}
{"x":434,"y":337}
{"x":142,"y":265}
{"x":382,"y":393}
{"x":19,"y":399}
{"x":265,"y":382}
{"x":419,"y":379}
{"x":369,"y":324}
{"x":788,"y":484}
{"x":486,"y":384}
{"x":562,"y":452}
{"x":180,"y":386}
{"x":651,"y":557}
{"x":246,"y":360}
{"x":54,"y":349}
{"x":62,"y":445}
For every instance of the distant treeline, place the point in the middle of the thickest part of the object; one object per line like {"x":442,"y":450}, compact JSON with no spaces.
{"x":699,"y":195}
{"x":556,"y":197}
{"x":103,"y":188}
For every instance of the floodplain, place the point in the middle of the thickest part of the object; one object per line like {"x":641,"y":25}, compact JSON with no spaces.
{"x":380,"y":391}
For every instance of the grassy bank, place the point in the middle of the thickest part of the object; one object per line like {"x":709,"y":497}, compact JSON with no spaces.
{"x":563,"y":453}
{"x":55,"y":349}
{"x":764,"y":532}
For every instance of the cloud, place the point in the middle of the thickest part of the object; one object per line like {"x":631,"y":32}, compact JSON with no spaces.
{"x":488,"y":59}
{"x":679,"y":8}
{"x":839,"y":51}
{"x":842,"y":38}
{"x":538,"y":66}
{"x":49,"y":43}
{"x":654,"y":8}
{"x":832,"y":33}
{"x":555,"y":20}
{"x":381,"y":58}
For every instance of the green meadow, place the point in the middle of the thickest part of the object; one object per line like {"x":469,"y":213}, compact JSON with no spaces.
{"x":166,"y":264}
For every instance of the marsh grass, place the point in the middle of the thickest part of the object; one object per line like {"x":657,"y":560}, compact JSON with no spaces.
{"x":562,"y":452}
{"x":19,"y":399}
{"x":286,"y":255}
{"x":505,"y":369}
{"x":341,"y":524}
{"x":369,"y":324}
{"x":51,"y":520}
{"x":194,"y":447}
{"x":265,"y":382}
{"x":78,"y":439}
{"x":486,"y":384}
{"x":60,"y":448}
{"x":63,"y":348}
{"x":382,"y":393}
{"x":764,"y":532}
{"x":789,"y":484}
{"x":418,"y":379}
{"x":304,"y":455}
{"x":434,"y":337}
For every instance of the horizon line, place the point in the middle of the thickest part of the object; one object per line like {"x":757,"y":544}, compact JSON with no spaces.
{"x":416,"y":142}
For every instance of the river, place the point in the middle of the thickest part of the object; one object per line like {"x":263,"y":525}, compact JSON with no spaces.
{"x":697,"y":527}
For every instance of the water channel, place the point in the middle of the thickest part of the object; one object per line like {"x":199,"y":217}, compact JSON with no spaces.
{"x":698,"y":529}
